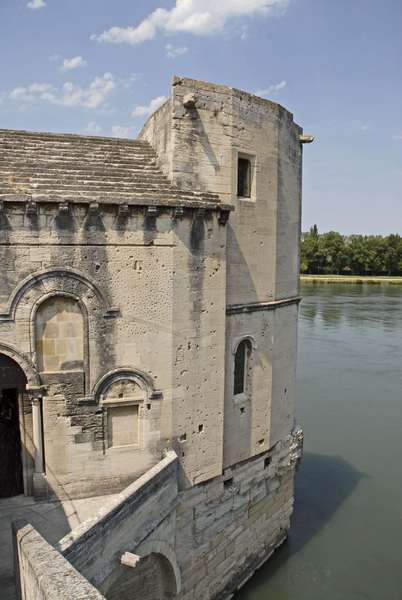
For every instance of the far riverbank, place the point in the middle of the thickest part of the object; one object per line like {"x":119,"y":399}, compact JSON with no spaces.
{"x":350,"y":279}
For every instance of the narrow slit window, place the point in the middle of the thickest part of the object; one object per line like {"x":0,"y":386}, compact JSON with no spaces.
{"x":244,"y":178}
{"x":239,"y":371}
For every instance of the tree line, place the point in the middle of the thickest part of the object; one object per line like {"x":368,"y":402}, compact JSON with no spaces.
{"x":354,"y":254}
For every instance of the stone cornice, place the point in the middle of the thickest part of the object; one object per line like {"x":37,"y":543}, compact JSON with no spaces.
{"x":232,"y":309}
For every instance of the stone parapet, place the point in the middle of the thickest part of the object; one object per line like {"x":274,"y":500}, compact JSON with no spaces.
{"x":42,"y":573}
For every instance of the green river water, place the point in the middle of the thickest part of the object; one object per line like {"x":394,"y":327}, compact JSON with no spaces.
{"x":346,"y":529}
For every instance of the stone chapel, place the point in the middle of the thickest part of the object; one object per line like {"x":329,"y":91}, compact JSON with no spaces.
{"x":148,"y":332}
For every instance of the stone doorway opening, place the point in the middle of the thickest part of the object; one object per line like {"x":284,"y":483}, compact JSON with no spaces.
{"x":12,"y":390}
{"x":11,"y":482}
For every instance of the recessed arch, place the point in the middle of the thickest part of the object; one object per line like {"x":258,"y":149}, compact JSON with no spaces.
{"x":59,"y":333}
{"x":236,"y":341}
{"x":125,"y":373}
{"x":168,"y":555}
{"x":58,"y":274}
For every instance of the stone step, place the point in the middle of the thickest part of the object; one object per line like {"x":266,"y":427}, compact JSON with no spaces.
{"x":74,"y":153}
{"x":12,"y":134}
{"x":87,"y":179}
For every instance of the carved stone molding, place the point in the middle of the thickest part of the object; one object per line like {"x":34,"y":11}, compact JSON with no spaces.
{"x":26,"y":364}
{"x":124,"y":373}
{"x":53,"y":273}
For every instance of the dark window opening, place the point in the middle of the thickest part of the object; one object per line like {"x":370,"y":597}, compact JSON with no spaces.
{"x":228,"y":483}
{"x":239,"y":371}
{"x":267,"y":461}
{"x":244,"y":178}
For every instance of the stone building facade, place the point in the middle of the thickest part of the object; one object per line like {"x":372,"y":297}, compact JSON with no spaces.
{"x":149,"y":300}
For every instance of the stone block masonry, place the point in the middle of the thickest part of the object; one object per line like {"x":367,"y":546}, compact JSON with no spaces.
{"x":204,"y":542}
{"x":42,"y":573}
{"x":148,"y":333}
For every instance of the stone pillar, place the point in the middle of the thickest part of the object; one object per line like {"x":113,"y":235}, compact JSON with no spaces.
{"x":39,"y":477}
{"x":37,"y":433}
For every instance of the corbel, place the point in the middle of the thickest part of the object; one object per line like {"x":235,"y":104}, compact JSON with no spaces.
{"x":63,"y":208}
{"x":130,"y":560}
{"x":152,"y":211}
{"x":123,"y":210}
{"x":31,"y":208}
{"x":178,"y":212}
{"x":223,"y":217}
{"x":94,"y":208}
{"x":200,"y":214}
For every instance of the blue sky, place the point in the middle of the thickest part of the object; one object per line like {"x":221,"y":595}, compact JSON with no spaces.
{"x":101,"y":67}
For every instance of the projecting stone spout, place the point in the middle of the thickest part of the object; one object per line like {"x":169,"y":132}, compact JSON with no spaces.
{"x":189,"y":100}
{"x":306,"y":139}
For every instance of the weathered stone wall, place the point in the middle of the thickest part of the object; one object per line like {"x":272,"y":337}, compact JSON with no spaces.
{"x":212,"y":126}
{"x":203,"y":542}
{"x":96,"y":546}
{"x":42,"y":573}
{"x":151,"y":292}
{"x":226,"y":528}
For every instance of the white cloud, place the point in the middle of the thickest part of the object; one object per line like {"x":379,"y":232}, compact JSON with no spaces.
{"x":54,"y":57}
{"x":72,"y":95}
{"x":127,"y":83}
{"x":20,"y":94}
{"x":140,"y":111}
{"x":272,"y":88}
{"x":72,"y":63}
{"x":40,"y":87}
{"x":398,"y":136}
{"x":172,"y":52}
{"x":366,"y":127}
{"x":34,"y":4}
{"x":92,"y":128}
{"x":121,"y":132}
{"x":200,"y":17}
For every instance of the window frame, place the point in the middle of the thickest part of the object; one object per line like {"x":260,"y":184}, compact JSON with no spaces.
{"x":249,"y":345}
{"x":253,"y":170}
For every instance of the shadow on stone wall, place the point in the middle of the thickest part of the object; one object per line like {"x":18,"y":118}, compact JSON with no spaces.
{"x":322,"y":486}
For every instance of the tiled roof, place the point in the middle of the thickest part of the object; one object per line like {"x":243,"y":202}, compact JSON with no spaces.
{"x":73,"y":168}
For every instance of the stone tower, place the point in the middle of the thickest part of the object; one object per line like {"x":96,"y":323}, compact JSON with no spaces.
{"x":148,"y":338}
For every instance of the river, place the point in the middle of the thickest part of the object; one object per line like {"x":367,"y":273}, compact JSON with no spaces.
{"x":346,"y":529}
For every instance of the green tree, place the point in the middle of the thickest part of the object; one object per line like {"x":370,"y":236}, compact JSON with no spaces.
{"x":334,"y":250}
{"x":375,"y":253}
{"x":310,"y":249}
{"x":358,"y":254}
{"x":393,"y":253}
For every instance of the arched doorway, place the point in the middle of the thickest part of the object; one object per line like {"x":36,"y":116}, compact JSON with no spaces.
{"x":12,"y":387}
{"x":152,"y":579}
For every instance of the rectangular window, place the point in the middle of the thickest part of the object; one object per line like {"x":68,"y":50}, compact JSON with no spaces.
{"x":122,"y":425}
{"x":244,"y":178}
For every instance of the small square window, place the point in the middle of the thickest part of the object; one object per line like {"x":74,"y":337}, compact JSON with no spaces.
{"x":244,"y":178}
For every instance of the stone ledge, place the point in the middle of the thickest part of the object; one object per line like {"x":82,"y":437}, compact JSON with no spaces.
{"x":254,"y":306}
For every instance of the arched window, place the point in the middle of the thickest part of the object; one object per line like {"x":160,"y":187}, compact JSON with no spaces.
{"x":59,"y":332}
{"x":242,"y":369}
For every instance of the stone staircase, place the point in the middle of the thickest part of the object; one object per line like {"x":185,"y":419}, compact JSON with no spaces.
{"x":73,"y":168}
